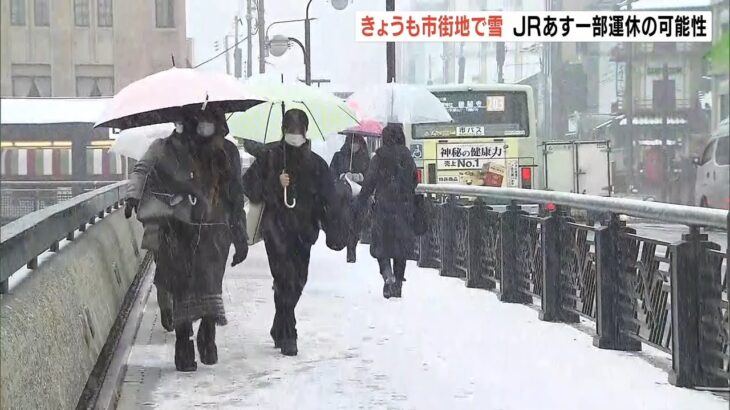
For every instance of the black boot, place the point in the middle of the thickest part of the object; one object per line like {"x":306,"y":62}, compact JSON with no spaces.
{"x":184,"y":349}
{"x":166,"y":319}
{"x":206,"y":342}
{"x":289,"y":347}
{"x":395,"y":291}
{"x":388,"y":278}
{"x":387,"y":290}
{"x":351,"y":254}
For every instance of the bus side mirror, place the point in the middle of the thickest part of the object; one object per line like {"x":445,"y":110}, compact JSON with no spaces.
{"x":696,"y":161}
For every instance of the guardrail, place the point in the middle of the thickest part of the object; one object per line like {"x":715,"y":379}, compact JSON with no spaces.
{"x":22,"y":240}
{"x":637,"y":290}
{"x":19,"y":198}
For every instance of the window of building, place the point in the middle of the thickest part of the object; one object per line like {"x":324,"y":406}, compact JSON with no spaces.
{"x":42,"y":13}
{"x":17,"y":12}
{"x":81,"y":13}
{"x":665,"y":47}
{"x":105,"y":13}
{"x":94,"y":86}
{"x":165,"y":13}
{"x":31,"y":86}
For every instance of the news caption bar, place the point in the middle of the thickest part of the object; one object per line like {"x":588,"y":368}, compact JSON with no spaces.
{"x":575,"y":26}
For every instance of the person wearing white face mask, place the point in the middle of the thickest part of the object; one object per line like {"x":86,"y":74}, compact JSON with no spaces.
{"x":351,"y":162}
{"x":188,"y":185}
{"x":290,"y":231}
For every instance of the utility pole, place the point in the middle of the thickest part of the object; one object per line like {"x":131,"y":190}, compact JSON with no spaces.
{"x":262,"y":37}
{"x":501,"y":52}
{"x":555,"y":58}
{"x":462,"y":64}
{"x":249,"y":43}
{"x":228,"y":56}
{"x":237,"y":53}
{"x":390,"y":49}
{"x":628,"y":102}
{"x":665,"y":106}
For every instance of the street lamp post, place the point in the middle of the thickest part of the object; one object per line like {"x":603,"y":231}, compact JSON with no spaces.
{"x":307,"y":48}
{"x":279,"y":44}
{"x":390,"y":49}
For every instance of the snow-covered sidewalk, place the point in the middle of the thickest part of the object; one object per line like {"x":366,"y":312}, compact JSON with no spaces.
{"x":442,"y":346}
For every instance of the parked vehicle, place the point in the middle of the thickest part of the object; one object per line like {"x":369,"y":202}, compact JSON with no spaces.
{"x":582,"y":167}
{"x":712,"y":186}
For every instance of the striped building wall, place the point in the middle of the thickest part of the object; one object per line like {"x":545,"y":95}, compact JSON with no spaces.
{"x":38,"y":162}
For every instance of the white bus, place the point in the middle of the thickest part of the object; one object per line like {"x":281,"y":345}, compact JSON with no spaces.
{"x":492,"y":141}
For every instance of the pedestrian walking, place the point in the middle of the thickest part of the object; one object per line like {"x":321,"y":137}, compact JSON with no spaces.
{"x":351,"y":162}
{"x":298,"y":195}
{"x":392,"y":179}
{"x":187,"y":191}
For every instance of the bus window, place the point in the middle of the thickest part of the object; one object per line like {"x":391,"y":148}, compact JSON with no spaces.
{"x":502,"y":113}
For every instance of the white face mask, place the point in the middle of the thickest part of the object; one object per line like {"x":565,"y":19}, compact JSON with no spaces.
{"x":179,"y":127}
{"x":206,"y":128}
{"x":295,"y":140}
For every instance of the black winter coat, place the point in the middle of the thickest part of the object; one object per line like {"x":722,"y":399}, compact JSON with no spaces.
{"x":392,"y":179}
{"x":191,"y":258}
{"x":341,"y":162}
{"x":311,"y":185}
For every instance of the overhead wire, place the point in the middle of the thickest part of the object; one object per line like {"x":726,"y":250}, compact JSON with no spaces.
{"x":222,"y":52}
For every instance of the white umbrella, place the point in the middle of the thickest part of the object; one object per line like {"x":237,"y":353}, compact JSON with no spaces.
{"x":134,"y":142}
{"x":398,"y":103}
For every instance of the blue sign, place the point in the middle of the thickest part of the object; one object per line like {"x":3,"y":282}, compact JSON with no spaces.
{"x":417,"y":151}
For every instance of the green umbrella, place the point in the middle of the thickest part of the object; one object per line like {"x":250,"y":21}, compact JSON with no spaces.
{"x":719,"y":55}
{"x":327,"y":113}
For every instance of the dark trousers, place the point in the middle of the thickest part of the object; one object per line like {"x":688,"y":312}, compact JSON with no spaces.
{"x":289,"y":266}
{"x":184,"y":331}
{"x":398,"y":268}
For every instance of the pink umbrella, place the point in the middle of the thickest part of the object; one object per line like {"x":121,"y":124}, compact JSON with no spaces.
{"x":158,"y":98}
{"x":369,"y":128}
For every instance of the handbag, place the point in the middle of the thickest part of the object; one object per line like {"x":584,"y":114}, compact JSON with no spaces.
{"x":420,"y":217}
{"x":254,"y":216}
{"x":157,"y":206}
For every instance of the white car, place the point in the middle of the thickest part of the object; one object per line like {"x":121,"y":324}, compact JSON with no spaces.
{"x":712,"y":187}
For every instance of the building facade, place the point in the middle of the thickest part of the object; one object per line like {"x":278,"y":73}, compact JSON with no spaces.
{"x":452,"y":63}
{"x":87,"y":48}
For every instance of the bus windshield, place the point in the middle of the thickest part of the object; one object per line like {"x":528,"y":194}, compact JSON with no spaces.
{"x":489,"y":113}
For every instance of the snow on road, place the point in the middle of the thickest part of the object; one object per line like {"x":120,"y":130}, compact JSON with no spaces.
{"x":442,"y":346}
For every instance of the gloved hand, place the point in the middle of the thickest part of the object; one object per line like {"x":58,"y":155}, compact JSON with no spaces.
{"x":241,"y":253}
{"x":130,"y":204}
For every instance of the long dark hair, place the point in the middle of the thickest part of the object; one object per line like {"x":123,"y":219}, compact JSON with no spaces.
{"x":210,"y":155}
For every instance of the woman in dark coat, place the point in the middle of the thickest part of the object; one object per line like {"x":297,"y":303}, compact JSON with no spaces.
{"x":290,"y":231}
{"x":198,"y":166}
{"x":392,"y":179}
{"x":352,"y":160}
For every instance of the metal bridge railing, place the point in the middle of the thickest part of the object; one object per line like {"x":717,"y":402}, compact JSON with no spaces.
{"x":22,"y":240}
{"x":637,"y":290}
{"x":19,"y":198}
